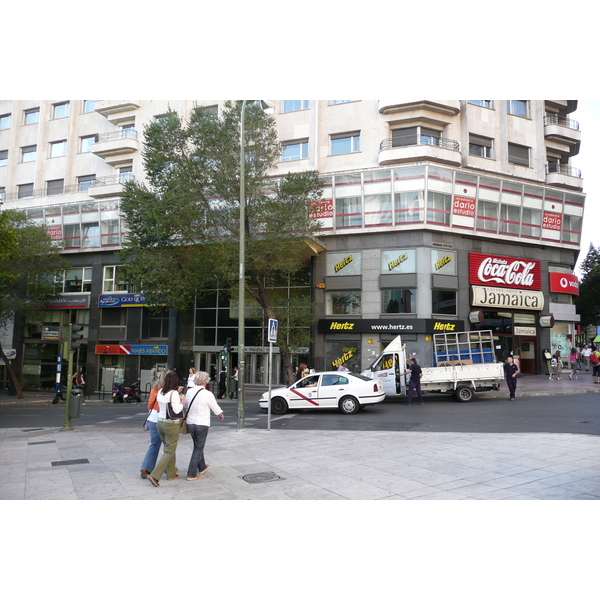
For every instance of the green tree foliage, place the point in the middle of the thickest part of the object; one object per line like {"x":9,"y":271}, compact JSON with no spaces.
{"x":183,"y":226}
{"x":29,"y":262}
{"x":588,"y":301}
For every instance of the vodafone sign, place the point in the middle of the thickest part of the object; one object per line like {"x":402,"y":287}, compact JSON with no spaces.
{"x":504,"y":271}
{"x":564,"y":284}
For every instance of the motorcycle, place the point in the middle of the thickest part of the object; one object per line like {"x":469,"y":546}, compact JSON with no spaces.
{"x":59,"y":396}
{"x":132,"y":392}
{"x":117,"y":393}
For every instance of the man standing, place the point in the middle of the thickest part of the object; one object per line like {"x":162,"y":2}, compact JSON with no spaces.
{"x":414,"y":382}
{"x":511,"y":370}
{"x":586,"y":356}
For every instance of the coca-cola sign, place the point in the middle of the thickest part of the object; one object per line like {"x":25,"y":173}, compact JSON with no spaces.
{"x":504,"y":271}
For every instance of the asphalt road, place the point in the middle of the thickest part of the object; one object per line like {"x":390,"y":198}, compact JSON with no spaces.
{"x":577,"y":413}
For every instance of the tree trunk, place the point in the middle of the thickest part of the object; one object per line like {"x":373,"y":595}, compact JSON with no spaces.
{"x":11,"y":373}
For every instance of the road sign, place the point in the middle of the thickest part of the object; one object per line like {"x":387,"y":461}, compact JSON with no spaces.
{"x":273,"y":323}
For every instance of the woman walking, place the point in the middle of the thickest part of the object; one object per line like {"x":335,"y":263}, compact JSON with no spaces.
{"x":574,"y":363}
{"x":558,"y":366}
{"x":168,"y":428}
{"x":198,"y":404}
{"x":152,"y":454}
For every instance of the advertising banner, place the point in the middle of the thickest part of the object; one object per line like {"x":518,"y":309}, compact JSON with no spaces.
{"x":504,"y":271}
{"x":397,"y":326}
{"x":563,"y":283}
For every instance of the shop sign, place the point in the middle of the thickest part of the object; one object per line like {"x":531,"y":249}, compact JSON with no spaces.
{"x":564,"y":283}
{"x":463,"y":207}
{"x":528,"y":331}
{"x":493,"y":297}
{"x":320,"y":209}
{"x":503,"y":271}
{"x":552,"y":221}
{"x":398,"y":261}
{"x":141,"y":350}
{"x":67,"y":301}
{"x":546,"y":321}
{"x":397,"y":326}
{"x":55,"y":232}
{"x":50,"y":332}
{"x":121,"y":300}
{"x":10,"y":353}
{"x":343,"y":263}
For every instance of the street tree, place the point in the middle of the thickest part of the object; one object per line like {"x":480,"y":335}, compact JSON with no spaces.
{"x":29,"y":263}
{"x":588,"y":301}
{"x":183,"y":224}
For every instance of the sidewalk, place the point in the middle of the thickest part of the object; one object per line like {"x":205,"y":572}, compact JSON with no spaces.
{"x":95,"y":463}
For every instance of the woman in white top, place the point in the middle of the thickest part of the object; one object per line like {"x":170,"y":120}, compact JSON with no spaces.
{"x":190,"y":381}
{"x":168,"y":429}
{"x":198,"y":403}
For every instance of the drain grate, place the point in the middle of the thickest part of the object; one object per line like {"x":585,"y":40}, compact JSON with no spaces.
{"x":45,"y":442}
{"x":261,"y":477}
{"x":76,"y":461}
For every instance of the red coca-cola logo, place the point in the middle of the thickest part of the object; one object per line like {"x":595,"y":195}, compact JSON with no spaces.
{"x":503,"y":271}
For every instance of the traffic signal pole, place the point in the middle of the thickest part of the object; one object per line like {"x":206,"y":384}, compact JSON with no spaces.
{"x":69,"y":348}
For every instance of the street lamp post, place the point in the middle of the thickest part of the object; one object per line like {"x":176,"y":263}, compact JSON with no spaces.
{"x":268,"y":108}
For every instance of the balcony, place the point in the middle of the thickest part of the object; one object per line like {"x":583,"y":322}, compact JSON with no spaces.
{"x":117,"y":110}
{"x":103,"y":187}
{"x":563,"y":175}
{"x":416,"y":148}
{"x":562,"y":131}
{"x":117,"y":146}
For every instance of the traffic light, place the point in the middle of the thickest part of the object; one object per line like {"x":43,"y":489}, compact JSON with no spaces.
{"x":76,"y":336}
{"x":228,"y":345}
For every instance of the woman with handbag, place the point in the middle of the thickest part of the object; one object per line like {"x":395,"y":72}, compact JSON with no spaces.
{"x":170,"y":412}
{"x":152,"y":454}
{"x":198,"y":403}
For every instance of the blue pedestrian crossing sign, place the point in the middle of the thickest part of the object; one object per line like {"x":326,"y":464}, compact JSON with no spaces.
{"x":273,"y":323}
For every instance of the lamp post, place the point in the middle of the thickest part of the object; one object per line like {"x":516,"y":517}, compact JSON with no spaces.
{"x":268,"y":108}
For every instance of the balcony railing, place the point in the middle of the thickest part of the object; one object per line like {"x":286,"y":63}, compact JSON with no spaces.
{"x":111,"y":136}
{"x":419,"y":140}
{"x":563,"y":169}
{"x":553,"y":119}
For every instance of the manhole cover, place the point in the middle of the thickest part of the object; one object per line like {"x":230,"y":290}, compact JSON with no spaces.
{"x":260,"y":477}
{"x":76,"y":461}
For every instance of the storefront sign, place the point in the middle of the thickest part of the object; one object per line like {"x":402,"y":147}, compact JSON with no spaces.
{"x":398,"y":261}
{"x":50,"y":332}
{"x":463,"y":207}
{"x":502,"y":271}
{"x":552,"y":221}
{"x":69,"y":301}
{"x":320,"y":209}
{"x":10,"y":353}
{"x":564,"y":283}
{"x":443,"y":262}
{"x":55,"y":232}
{"x":133,"y":350}
{"x":343,"y":263}
{"x":546,"y":321}
{"x":121,"y":300}
{"x":493,"y":297}
{"x":525,"y":331}
{"x":397,"y":326}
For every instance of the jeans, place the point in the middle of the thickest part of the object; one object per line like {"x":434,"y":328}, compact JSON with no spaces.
{"x":169,"y":435}
{"x":199,"y":434}
{"x":511,"y":382}
{"x":152,"y":454}
{"x":412,"y":385}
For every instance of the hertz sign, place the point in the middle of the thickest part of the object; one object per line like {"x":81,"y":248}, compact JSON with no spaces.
{"x":396,"y":326}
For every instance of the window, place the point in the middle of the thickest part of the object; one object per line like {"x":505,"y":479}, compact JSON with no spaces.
{"x":340,"y":101}
{"x":125,"y":174}
{"x":5,"y":121}
{"x":518,"y":155}
{"x":293,"y":105}
{"x":415,"y":136}
{"x":519,"y":108}
{"x":345,"y":144}
{"x":72,"y":235}
{"x":399,"y":301}
{"x":58,"y":149}
{"x":25,"y":190}
{"x":443,"y":302}
{"x":409,"y":207}
{"x":61,"y":110}
{"x":343,"y":303}
{"x":78,"y":280}
{"x":438,"y":207}
{"x":155,"y":325}
{"x":3,"y":158}
{"x":510,"y":219}
{"x":378,"y":209}
{"x":480,"y":146}
{"x":88,"y":106}
{"x":348,"y":212}
{"x":487,"y":216}
{"x":85,"y":182}
{"x":56,"y":186}
{"x":484,"y":103}
{"x":114,"y":279}
{"x":294,"y":150}
{"x":28,"y":153}
{"x":86,"y":143}
{"x":32,"y":116}
{"x":531,"y":223}
{"x":128,"y":131}
{"x":2,"y":194}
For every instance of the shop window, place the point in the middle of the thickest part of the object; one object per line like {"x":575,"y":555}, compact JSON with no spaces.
{"x":443,"y":302}
{"x":399,"y":301}
{"x":347,"y":352}
{"x":343,"y":303}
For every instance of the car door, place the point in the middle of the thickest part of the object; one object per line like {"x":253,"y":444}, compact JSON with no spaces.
{"x":386,"y":370}
{"x":305,"y":393}
{"x":333,"y":387}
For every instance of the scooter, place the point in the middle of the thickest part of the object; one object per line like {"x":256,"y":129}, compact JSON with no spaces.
{"x":132,"y":392}
{"x":59,"y":396}
{"x":117,"y":393}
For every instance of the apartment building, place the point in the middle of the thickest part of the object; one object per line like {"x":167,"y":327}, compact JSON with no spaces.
{"x":438,"y":215}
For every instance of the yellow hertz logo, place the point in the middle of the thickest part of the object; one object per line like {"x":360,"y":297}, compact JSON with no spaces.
{"x":440,"y":263}
{"x":346,"y":325}
{"x":398,"y":261}
{"x":437,"y":326}
{"x":345,"y":357}
{"x":342,"y":264}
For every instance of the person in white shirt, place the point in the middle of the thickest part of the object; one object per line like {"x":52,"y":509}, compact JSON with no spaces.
{"x":198,"y":403}
{"x":343,"y":368}
{"x":586,"y":356}
{"x":190,"y":381}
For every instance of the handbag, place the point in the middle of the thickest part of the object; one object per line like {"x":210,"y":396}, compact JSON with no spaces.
{"x":145,"y":425}
{"x":171,"y":414}
{"x":183,"y":428}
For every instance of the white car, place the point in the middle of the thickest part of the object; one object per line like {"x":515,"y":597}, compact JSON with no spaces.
{"x":332,"y":389}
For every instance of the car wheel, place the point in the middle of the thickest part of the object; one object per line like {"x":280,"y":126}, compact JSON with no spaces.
{"x":464,"y":394}
{"x":278,"y":406}
{"x":349,"y":405}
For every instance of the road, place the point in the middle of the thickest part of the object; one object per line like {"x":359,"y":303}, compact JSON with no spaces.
{"x":577,"y":413}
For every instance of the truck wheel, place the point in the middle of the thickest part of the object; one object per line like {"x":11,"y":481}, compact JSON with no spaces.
{"x":349,"y":405}
{"x":278,"y":406}
{"x":464,"y":394}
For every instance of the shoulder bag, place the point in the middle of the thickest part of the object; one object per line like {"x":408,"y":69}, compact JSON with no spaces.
{"x":183,"y":428}
{"x":171,"y":414}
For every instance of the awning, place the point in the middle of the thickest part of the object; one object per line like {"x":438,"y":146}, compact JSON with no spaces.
{"x":597,"y":339}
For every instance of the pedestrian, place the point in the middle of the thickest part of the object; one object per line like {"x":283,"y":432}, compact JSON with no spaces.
{"x":198,"y":404}
{"x":222,"y":382}
{"x":558,"y":364}
{"x":149,"y":461}
{"x":511,"y":370}
{"x":234,"y":392}
{"x":548,"y":358}
{"x":343,"y":368}
{"x":573,"y":361}
{"x":414,"y":382}
{"x":585,"y":353}
{"x":168,"y":428}
{"x":595,"y":362}
{"x":190,"y":381}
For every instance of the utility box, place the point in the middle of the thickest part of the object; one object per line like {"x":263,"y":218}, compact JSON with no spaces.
{"x":75,"y":401}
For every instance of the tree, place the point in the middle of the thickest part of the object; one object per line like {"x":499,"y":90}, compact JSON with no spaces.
{"x":183,"y":227}
{"x":29,"y":262}
{"x":588,"y":301}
